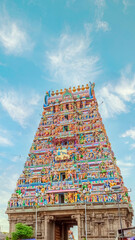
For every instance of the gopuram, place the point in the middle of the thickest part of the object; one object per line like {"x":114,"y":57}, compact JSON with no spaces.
{"x":70,"y":177}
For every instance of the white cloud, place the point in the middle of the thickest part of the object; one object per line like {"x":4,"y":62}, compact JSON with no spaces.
{"x":102,"y":25}
{"x":133,"y":145}
{"x":34,"y":99}
{"x":71,"y":60}
{"x":5,"y":178}
{"x":125,"y":171}
{"x":115,"y":97}
{"x":126,"y":90}
{"x":5,"y":139}
{"x":126,"y":168}
{"x":128,"y":158}
{"x":13,"y":38}
{"x":17,"y":158}
{"x":19,"y":107}
{"x":3,"y":220}
{"x":126,"y":86}
{"x":4,"y":197}
{"x":125,"y":3}
{"x":125,"y":164}
{"x":112,"y":104}
{"x":100,"y":3}
{"x":128,"y":3}
{"x":6,"y":189}
{"x":129,"y":133}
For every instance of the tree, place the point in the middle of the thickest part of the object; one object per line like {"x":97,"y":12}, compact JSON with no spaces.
{"x":22,"y":231}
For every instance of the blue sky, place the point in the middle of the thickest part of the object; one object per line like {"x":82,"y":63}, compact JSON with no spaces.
{"x":53,"y":44}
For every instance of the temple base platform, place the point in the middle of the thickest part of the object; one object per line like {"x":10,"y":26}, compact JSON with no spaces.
{"x":53,"y":222}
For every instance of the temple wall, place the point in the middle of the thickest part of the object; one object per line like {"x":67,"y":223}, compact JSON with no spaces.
{"x":102,"y":222}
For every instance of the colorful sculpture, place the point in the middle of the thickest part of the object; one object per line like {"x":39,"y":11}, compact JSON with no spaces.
{"x":70,"y":160}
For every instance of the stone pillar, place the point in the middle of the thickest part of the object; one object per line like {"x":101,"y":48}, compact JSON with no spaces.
{"x":62,"y":230}
{"x":12,"y":226}
{"x":82,"y":226}
{"x":42,"y":228}
{"x":78,"y":221}
{"x":46,"y":223}
{"x":88,"y":224}
{"x":66,"y":232}
{"x":79,"y":227}
{"x":49,"y":228}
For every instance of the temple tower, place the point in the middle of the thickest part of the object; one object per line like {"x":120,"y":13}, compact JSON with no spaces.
{"x":70,"y":176}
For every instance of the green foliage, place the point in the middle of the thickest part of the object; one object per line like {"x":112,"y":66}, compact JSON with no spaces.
{"x":14,"y":236}
{"x":22,"y":232}
{"x":7,"y":238}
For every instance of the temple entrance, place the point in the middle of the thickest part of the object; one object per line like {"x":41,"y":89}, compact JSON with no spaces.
{"x":64,"y":225}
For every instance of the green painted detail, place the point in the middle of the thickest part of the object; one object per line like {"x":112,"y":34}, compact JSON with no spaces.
{"x":67,"y":93}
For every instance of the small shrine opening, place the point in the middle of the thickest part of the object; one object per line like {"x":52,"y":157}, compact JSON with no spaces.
{"x":67,"y":107}
{"x":65,"y":143}
{"x":66,"y":117}
{"x":66,"y":128}
{"x":61,"y":198}
{"x":63,"y":176}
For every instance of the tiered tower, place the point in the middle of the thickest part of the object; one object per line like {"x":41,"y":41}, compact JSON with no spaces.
{"x":70,"y":161}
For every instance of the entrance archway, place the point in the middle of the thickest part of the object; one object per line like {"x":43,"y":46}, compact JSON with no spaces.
{"x":62,"y":226}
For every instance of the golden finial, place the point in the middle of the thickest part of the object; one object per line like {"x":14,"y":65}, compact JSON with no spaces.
{"x":61,"y":91}
{"x":83,"y":88}
{"x":87,"y":86}
{"x":74,"y":89}
{"x":70,"y":89}
{"x":52,"y":93}
{"x":57,"y":92}
{"x":78,"y":89}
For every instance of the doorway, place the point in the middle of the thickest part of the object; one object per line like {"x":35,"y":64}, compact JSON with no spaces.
{"x":61,"y":198}
{"x":63,"y":176}
{"x":65,"y":225}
